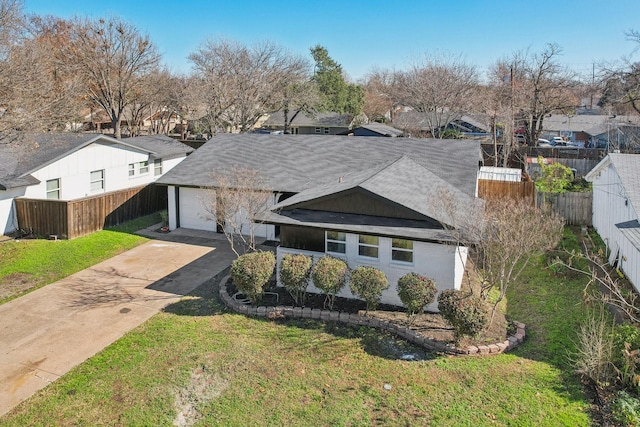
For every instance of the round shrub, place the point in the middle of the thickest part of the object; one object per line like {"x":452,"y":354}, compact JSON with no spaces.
{"x":294,"y":275}
{"x":250,"y":272}
{"x":466,"y":313}
{"x":330,"y":275}
{"x":368,"y":284}
{"x":416,"y":292}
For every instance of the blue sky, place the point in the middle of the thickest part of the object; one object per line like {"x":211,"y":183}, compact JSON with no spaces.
{"x":362,"y":34}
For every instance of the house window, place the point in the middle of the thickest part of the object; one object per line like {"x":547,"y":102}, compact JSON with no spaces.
{"x":318,"y":130}
{"x":143,"y":167}
{"x":336,"y":242}
{"x":132,"y":169}
{"x":157,"y":167}
{"x":326,"y":130}
{"x":53,"y":189}
{"x":402,"y":250}
{"x":97,"y":180}
{"x":368,"y":246}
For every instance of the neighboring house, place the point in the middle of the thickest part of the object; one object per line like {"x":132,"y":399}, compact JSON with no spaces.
{"x":375,"y":129}
{"x":616,"y":209}
{"x":371,"y":201}
{"x":70,"y":166}
{"x":311,"y":123}
{"x":420,"y":124}
{"x":592,"y":130}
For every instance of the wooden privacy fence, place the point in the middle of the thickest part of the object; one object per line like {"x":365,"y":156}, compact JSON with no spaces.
{"x":522,"y":190}
{"x":75,"y":218}
{"x":575,"y":208}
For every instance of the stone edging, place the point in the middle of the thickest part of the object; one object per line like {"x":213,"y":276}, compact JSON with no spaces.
{"x":355,"y":319}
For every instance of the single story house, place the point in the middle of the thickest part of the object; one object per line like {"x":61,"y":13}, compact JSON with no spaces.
{"x":375,"y":129}
{"x":73,"y":166}
{"x":371,"y":201}
{"x":616,"y":205}
{"x":316,"y":123}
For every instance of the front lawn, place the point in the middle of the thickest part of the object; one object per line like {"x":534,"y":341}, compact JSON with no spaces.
{"x":28,"y":264}
{"x":198,"y":363}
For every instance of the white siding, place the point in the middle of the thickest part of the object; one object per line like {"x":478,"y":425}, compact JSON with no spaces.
{"x":8,"y":220}
{"x":442,"y":263}
{"x":630,"y":261}
{"x":610,"y":207}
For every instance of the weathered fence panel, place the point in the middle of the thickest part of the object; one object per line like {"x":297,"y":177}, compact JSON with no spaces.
{"x":75,"y":218}
{"x":575,"y":208}
{"x":524,"y":190}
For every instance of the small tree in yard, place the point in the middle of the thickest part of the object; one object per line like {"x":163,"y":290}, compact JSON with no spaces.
{"x":556,"y":177}
{"x":368,"y":284}
{"x":330,"y":275}
{"x":294,"y":275}
{"x":467,"y":314}
{"x":251,"y":272}
{"x":416,"y":292}
{"x":239,"y":195}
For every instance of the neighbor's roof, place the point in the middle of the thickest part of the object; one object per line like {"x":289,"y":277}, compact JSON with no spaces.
{"x":310,"y":119}
{"x":382,"y":129}
{"x":631,"y":230}
{"x":294,"y":163}
{"x":593,"y":124}
{"x":627,"y":166}
{"x":25,"y":153}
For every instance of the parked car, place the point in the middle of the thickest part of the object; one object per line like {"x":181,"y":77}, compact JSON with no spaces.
{"x":558,"y":140}
{"x":545,"y":143}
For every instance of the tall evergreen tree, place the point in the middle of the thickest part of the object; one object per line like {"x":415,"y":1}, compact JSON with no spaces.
{"x":336,"y":94}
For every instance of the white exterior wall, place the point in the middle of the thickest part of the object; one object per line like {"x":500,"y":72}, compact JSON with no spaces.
{"x":610,"y":207}
{"x":629,"y":261}
{"x":197,"y":211}
{"x":8,"y":219}
{"x":442,"y":263}
{"x":74,"y":171}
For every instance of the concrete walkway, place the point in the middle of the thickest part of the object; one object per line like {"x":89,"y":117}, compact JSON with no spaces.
{"x":49,"y":331}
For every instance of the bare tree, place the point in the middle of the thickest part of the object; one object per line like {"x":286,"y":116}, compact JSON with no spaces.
{"x":239,"y":195}
{"x":111,"y":56}
{"x":621,"y":82}
{"x":378,"y":95}
{"x":537,"y":85}
{"x":440,"y":87}
{"x":503,"y":236}
{"x":238,"y":84}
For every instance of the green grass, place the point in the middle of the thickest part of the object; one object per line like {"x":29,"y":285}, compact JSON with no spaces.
{"x":40,"y":262}
{"x":244,"y":371}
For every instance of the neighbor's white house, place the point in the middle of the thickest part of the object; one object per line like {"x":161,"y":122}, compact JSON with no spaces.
{"x":69,"y":166}
{"x":370,"y":201}
{"x":616,"y":205}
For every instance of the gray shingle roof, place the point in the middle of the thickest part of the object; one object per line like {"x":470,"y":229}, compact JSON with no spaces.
{"x":294,"y":163}
{"x":631,"y":230}
{"x":28,"y":152}
{"x":399,"y":181}
{"x":382,"y":129}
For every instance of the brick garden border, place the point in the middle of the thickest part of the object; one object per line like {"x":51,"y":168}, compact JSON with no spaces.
{"x":280,"y":312}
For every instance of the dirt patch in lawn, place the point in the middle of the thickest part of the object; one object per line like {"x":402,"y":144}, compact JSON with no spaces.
{"x":203,"y":386}
{"x":16,"y":284}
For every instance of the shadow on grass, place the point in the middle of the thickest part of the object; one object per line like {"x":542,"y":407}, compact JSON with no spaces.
{"x":202,"y":301}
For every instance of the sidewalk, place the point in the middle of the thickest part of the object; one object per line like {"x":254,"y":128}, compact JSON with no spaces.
{"x":49,"y":331}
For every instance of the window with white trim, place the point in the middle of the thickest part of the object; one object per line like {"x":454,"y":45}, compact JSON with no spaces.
{"x":97,"y":180}
{"x":132,"y":169}
{"x":318,"y":130}
{"x":336,"y":242}
{"x":157,"y":167}
{"x":368,"y":246}
{"x":53,"y":189}
{"x":326,"y":130}
{"x":143,"y":167}
{"x":402,"y":250}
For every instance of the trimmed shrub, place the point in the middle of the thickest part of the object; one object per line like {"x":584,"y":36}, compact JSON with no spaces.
{"x":330,"y":275}
{"x":466,"y":313}
{"x":295,"y":270}
{"x":416,"y":292}
{"x":251,"y":272}
{"x":368,"y":284}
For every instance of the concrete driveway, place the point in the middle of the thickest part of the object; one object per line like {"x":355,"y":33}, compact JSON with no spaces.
{"x":49,"y":331}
